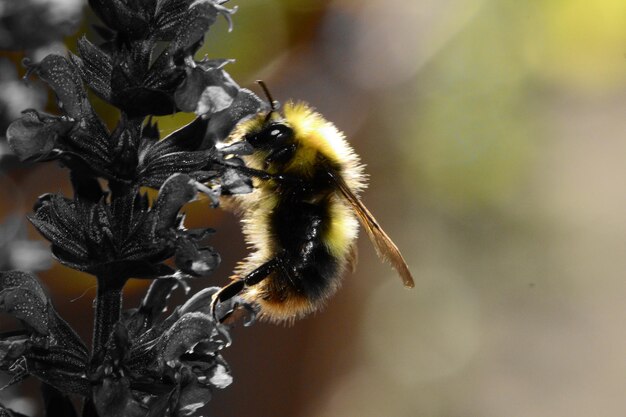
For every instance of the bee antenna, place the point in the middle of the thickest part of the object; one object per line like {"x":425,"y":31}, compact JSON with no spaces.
{"x":273,"y":104}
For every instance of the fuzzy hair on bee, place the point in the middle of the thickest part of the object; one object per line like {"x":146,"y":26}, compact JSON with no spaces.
{"x":301,"y":221}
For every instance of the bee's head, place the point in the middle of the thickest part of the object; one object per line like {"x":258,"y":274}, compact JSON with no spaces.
{"x":272,"y":135}
{"x":274,"y":131}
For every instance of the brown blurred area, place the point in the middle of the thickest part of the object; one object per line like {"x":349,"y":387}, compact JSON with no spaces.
{"x":494,"y":135}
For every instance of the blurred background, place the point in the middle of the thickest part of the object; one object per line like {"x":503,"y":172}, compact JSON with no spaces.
{"x":494,"y":134}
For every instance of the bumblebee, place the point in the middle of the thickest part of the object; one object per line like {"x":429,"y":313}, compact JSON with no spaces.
{"x":301,"y":221}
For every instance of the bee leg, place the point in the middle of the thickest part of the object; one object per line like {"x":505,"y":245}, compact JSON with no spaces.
{"x":257,"y":173}
{"x":225,"y":293}
{"x":260,"y":174}
{"x":235,"y":287}
{"x":281,"y":154}
{"x":262,"y":272}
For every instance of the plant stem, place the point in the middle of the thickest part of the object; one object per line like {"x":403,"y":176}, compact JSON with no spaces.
{"x":108,"y":311}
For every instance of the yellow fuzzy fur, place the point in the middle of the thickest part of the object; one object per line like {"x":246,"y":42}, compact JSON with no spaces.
{"x":313,"y":135}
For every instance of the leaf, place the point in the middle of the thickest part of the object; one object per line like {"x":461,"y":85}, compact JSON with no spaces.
{"x":22,"y":297}
{"x":157,"y":170}
{"x":53,"y":353}
{"x":95,"y":68}
{"x":188,"y":138}
{"x":119,"y":16}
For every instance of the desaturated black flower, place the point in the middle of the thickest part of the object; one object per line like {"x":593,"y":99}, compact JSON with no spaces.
{"x":244,"y":105}
{"x":46,"y":347}
{"x":130,"y":77}
{"x":180,"y":151}
{"x":142,"y":362}
{"x":207,"y":88}
{"x":164,"y":20}
{"x":37,"y":135}
{"x":151,"y":365}
{"x":124,"y":237}
{"x":133,"y":153}
{"x":78,"y":132}
{"x":166,"y":366}
{"x":16,"y":95}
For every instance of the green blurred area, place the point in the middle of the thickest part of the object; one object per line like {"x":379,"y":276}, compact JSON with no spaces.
{"x":493,"y":133}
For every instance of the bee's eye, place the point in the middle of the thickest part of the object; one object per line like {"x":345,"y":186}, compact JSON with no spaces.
{"x":280,"y":132}
{"x":271,"y":135}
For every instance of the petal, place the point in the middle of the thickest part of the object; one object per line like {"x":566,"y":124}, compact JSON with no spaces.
{"x":244,"y":105}
{"x":188,"y":331}
{"x":173,"y":194}
{"x":63,"y":78}
{"x":90,"y":140}
{"x":220,"y":376}
{"x":233,"y":181}
{"x":194,"y":24}
{"x":192,"y":397}
{"x":153,"y":304}
{"x":11,"y":350}
{"x":207,"y":89}
{"x":195,"y":261}
{"x":200,"y":302}
{"x":34,"y":136}
{"x":7,"y":412}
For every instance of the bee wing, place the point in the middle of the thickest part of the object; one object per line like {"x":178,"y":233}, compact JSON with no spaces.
{"x":385,"y":248}
{"x":353,"y":258}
